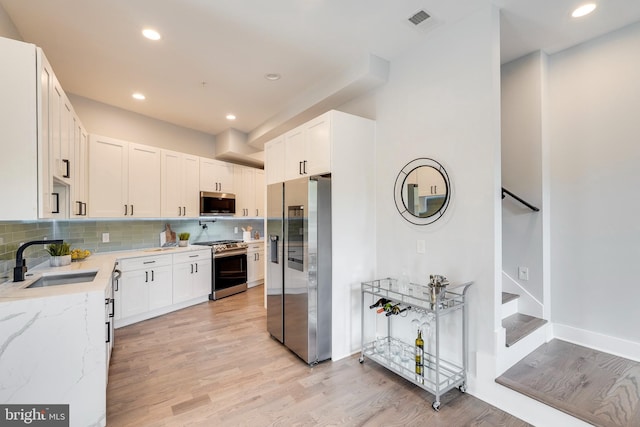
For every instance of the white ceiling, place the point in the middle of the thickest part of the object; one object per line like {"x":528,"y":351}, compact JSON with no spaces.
{"x":97,"y":51}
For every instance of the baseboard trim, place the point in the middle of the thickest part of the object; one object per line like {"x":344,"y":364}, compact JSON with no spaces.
{"x":612,"y":345}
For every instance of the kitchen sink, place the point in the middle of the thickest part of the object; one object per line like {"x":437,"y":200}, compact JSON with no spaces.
{"x":64,"y":279}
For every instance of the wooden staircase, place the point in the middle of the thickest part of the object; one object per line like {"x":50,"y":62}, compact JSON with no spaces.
{"x":523,"y":332}
{"x":516,"y":324}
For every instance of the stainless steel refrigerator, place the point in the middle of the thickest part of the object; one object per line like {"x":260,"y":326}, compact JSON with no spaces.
{"x":299,"y":266}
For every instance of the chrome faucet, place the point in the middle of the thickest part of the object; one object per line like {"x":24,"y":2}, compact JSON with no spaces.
{"x":21,"y":266}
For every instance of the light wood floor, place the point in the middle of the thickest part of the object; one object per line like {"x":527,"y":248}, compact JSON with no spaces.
{"x":599,"y":388}
{"x":214,"y":364}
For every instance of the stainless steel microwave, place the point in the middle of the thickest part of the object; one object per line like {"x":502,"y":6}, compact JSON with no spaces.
{"x":217,"y":204}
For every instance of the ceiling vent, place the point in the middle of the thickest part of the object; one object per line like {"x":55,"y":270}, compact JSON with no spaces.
{"x":419,"y":17}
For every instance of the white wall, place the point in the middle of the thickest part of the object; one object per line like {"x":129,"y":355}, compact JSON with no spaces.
{"x":7,"y":28}
{"x":595,"y":158}
{"x":117,"y":123}
{"x":522,"y":166}
{"x":442,"y":101}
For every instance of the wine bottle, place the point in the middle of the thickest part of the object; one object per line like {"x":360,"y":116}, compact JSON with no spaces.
{"x":419,"y":355}
{"x":379,"y":303}
{"x":396,"y":310}
{"x":387,"y":307}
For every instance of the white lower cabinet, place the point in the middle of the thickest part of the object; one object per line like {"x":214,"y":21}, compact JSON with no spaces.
{"x":191,"y":275}
{"x":145,"y":284}
{"x":255,"y":264}
{"x":109,"y":314}
{"x":158,"y":284}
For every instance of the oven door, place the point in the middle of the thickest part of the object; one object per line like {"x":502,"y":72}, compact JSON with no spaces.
{"x":229,"y":274}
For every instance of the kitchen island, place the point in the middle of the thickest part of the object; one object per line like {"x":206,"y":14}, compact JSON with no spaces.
{"x":55,"y":341}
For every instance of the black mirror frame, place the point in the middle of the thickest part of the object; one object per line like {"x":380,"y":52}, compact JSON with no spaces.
{"x":401,"y":178}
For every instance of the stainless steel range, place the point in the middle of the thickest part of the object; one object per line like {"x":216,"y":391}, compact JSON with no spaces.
{"x":229,"y":267}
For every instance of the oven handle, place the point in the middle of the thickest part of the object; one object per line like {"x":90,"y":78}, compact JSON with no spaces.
{"x":230,"y":253}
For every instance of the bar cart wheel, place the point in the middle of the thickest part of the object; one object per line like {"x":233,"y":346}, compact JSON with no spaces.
{"x":463,"y":387}
{"x":436,"y":406}
{"x":361,"y":359}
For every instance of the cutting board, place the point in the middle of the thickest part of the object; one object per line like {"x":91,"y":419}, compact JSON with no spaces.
{"x":168,"y":237}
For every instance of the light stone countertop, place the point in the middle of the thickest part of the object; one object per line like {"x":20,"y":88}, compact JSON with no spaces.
{"x":103,"y":263}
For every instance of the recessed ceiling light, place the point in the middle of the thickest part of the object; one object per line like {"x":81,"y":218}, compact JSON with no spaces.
{"x":231,"y":117}
{"x":272,"y":76}
{"x":139,"y":96}
{"x":583,"y":10}
{"x":151,"y":34}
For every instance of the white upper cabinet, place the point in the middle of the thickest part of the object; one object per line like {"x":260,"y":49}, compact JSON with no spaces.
{"x":144,"y":181}
{"x":179,"y":184}
{"x":295,"y":158}
{"x":250,"y":192}
{"x":216,"y":176}
{"x":29,"y":119}
{"x":124,"y":179}
{"x":80,"y":175}
{"x":261,"y":189}
{"x":108,"y":177}
{"x":318,"y":145}
{"x":274,"y":161}
{"x":307,"y":151}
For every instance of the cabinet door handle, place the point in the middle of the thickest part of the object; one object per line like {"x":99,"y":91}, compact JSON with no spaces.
{"x":194,"y":256}
{"x":148,"y":262}
{"x":146,"y":277}
{"x":179,"y":211}
{"x":196,"y":267}
{"x":152,"y":278}
{"x":57,"y":203}
{"x":117,"y":285}
{"x":304,"y":167}
{"x":108,"y":325}
{"x":67,"y":163}
{"x":191,"y":268}
{"x":257,"y":212}
{"x":125,"y":210}
{"x":113,"y":312}
{"x":131,"y":210}
{"x":299,"y":168}
{"x":84,"y":209}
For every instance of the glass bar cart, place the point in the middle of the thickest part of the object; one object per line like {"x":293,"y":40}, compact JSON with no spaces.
{"x":438,"y":374}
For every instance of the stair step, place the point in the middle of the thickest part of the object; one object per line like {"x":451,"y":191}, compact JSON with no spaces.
{"x":509,"y":304}
{"x":519,"y":326}
{"x":506,"y":297}
{"x":579,"y":381}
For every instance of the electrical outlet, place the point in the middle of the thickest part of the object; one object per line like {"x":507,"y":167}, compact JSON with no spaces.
{"x":1,"y":240}
{"x":523,"y":273}
{"x":421,"y":247}
{"x":105,"y":237}
{"x":235,"y":229}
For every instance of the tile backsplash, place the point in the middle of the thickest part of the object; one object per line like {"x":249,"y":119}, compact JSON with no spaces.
{"x":123,"y":235}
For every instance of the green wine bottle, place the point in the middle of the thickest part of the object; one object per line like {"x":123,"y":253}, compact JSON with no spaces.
{"x":386,"y":307}
{"x":419,"y":355}
{"x":379,"y":303}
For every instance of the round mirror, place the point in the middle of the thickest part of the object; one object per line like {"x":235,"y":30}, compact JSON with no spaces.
{"x":422,"y":191}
